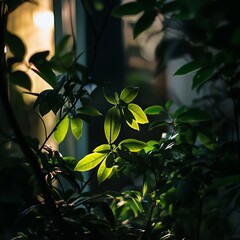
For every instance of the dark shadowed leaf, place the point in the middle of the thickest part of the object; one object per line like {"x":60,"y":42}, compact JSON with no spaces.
{"x":194,"y":115}
{"x":21,"y":79}
{"x":131,"y":8}
{"x":108,"y":214}
{"x":188,"y":68}
{"x":144,"y":22}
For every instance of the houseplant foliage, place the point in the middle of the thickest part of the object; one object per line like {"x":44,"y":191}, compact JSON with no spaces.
{"x":187,"y":180}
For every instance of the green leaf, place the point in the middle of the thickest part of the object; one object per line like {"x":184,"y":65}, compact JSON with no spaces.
{"x":133,"y":124}
{"x":76,"y":127}
{"x":132,"y":145}
{"x":62,"y":129}
{"x":202,"y":76}
{"x":154,"y":110}
{"x":108,"y":214}
{"x":188,"y":68}
{"x":104,"y":148}
{"x":130,"y":119}
{"x":90,"y":161}
{"x":138,"y":113}
{"x":16,"y":45}
{"x":105,"y":169}
{"x":109,"y":97}
{"x":168,"y":105}
{"x":62,"y":46}
{"x":131,"y":8}
{"x":207,"y":140}
{"x":160,"y":123}
{"x":194,"y":115}
{"x":144,"y":22}
{"x":128,"y":94}
{"x":90,"y":111}
{"x":112,"y":124}
{"x":44,"y":69}
{"x":21,"y":79}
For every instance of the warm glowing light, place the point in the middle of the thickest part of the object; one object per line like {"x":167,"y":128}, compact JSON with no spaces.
{"x":43,"y":19}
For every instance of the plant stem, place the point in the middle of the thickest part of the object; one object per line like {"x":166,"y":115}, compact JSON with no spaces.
{"x":29,"y":154}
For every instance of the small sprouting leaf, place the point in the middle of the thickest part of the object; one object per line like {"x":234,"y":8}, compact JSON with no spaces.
{"x":131,"y":8}
{"x":112,"y":124}
{"x":188,"y":68}
{"x":154,"y":110}
{"x":194,"y":115}
{"x":144,"y":22}
{"x":62,"y":129}
{"x":21,"y":79}
{"x":111,"y":99}
{"x":76,"y":127}
{"x":90,"y":111}
{"x":16,"y":45}
{"x":128,"y":94}
{"x":132,"y":145}
{"x":108,"y":214}
{"x":105,"y":169}
{"x":138,"y":113}
{"x":90,"y":161}
{"x":104,"y":148}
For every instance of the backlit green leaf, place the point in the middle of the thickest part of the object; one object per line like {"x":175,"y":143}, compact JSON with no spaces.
{"x":133,"y":124}
{"x":144,"y":22}
{"x":62,"y":129}
{"x":76,"y":127}
{"x":130,"y":119}
{"x":112,"y":124}
{"x":109,"y":97}
{"x":104,"y":148}
{"x":128,"y":94}
{"x":188,"y":68}
{"x":105,"y":169}
{"x":138,"y":113}
{"x":90,"y":161}
{"x":154,"y":110}
{"x":132,"y":145}
{"x":21,"y":79}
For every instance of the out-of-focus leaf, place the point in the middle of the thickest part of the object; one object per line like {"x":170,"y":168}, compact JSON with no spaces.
{"x":144,"y":22}
{"x":21,"y":79}
{"x":194,"y":115}
{"x":16,"y":45}
{"x":108,"y":214}
{"x":154,"y":110}
{"x":130,"y":8}
{"x":90,"y":111}
{"x":189,"y":68}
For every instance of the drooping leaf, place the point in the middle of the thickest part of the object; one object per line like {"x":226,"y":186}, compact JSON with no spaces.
{"x":154,"y":110}
{"x":16,"y":45}
{"x":62,"y":129}
{"x":131,"y":8}
{"x":108,"y":214}
{"x":90,"y":111}
{"x":144,"y":22}
{"x":76,"y":127}
{"x":189,"y":68}
{"x":112,"y":124}
{"x":104,"y":148}
{"x":90,"y":161}
{"x":138,"y":113}
{"x":128,"y":94}
{"x":105,"y":168}
{"x":132,"y":145}
{"x":202,"y":76}
{"x":21,"y":79}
